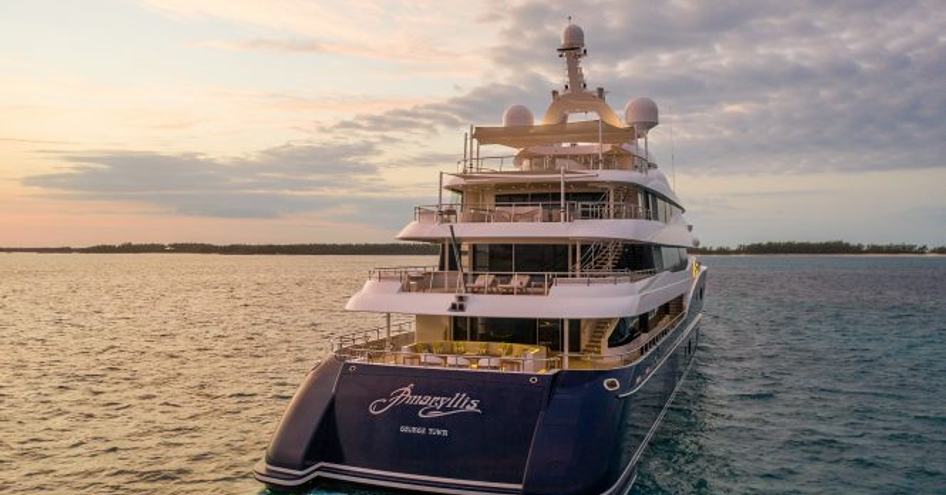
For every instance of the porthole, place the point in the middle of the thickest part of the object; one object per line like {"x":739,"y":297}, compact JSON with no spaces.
{"x":533,"y":380}
{"x":351,"y":368}
{"x":611,"y":384}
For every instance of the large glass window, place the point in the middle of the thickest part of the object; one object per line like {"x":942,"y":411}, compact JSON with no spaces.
{"x":546,"y":332}
{"x":448,"y":260}
{"x":636,"y":257}
{"x":520,"y":258}
{"x":515,"y":330}
{"x":626,"y":331}
{"x":492,"y":257}
{"x":659,"y":264}
{"x":550,"y":197}
{"x":549,"y":334}
{"x":674,"y":258}
{"x":541,"y":258}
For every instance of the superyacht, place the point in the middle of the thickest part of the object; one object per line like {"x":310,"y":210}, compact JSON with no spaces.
{"x":540,"y":353}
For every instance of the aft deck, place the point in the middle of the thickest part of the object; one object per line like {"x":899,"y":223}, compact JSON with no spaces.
{"x":396,"y":346}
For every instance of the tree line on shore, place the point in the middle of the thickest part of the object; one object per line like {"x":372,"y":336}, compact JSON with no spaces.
{"x":828,"y":247}
{"x":406,"y":248}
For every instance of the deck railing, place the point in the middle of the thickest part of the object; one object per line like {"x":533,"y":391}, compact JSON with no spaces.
{"x":374,"y":338}
{"x":429,"y":279}
{"x":605,"y":361}
{"x":372,"y":346}
{"x":548,"y":163}
{"x":550,"y":211}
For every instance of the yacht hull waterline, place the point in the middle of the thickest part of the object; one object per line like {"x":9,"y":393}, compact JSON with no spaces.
{"x":561,"y":433}
{"x":542,"y":351}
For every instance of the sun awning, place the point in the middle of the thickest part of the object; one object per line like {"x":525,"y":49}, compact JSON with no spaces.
{"x":572,"y":132}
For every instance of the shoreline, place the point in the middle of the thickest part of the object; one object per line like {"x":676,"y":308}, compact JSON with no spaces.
{"x":77,"y":251}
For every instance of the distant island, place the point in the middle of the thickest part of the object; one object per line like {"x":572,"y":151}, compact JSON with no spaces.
{"x":199,"y":248}
{"x":407,"y":248}
{"x":828,"y":247}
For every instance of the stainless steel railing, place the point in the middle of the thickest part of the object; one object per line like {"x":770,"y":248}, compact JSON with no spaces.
{"x":588,"y":161}
{"x":374,"y":337}
{"x":373,"y":346}
{"x":429,"y":279}
{"x":549,"y":211}
{"x":605,"y":361}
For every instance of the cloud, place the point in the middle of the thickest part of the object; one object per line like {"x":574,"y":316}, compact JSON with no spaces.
{"x":482,"y":104}
{"x":419,"y":56}
{"x":420,"y":33}
{"x":284,"y":180}
{"x":765,"y":87}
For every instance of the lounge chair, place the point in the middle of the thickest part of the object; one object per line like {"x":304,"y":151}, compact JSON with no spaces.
{"x":482,"y":283}
{"x":432,"y":359}
{"x":518,"y":283}
{"x":527,"y":214}
{"x":491,"y":362}
{"x":503,"y":214}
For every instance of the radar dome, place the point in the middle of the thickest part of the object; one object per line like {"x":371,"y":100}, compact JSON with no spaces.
{"x":517,"y":115}
{"x":573,"y":37}
{"x":641,"y":113}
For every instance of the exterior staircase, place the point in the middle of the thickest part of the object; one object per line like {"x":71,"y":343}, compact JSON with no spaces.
{"x":601,"y":256}
{"x":599,"y":331}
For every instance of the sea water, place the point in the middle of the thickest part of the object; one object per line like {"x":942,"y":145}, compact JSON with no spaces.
{"x":168,"y":373}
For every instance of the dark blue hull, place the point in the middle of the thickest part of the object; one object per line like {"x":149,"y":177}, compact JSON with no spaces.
{"x":479,"y":432}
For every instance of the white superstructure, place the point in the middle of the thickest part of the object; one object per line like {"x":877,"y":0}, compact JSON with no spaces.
{"x":577,"y":226}
{"x":541,"y":352}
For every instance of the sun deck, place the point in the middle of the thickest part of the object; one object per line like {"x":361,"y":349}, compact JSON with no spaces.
{"x":511,"y":164}
{"x":545,"y":211}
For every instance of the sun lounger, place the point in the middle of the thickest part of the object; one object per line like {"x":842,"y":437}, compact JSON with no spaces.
{"x":518,"y":283}
{"x":482,"y":283}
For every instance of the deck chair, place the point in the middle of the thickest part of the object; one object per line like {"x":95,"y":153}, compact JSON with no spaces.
{"x":503,"y":214}
{"x":518,"y":283}
{"x":482,"y":283}
{"x":527,"y":214}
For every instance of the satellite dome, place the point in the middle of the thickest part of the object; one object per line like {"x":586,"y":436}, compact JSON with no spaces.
{"x":641,"y":113}
{"x":573,"y":37}
{"x":517,"y":115}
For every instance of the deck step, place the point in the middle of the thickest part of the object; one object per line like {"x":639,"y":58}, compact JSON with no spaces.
{"x":596,"y":338}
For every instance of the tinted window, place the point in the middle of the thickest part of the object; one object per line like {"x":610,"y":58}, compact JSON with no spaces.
{"x":658,"y":258}
{"x":626,"y":330}
{"x":481,"y":257}
{"x":550,"y":197}
{"x":636,"y":257}
{"x":447,"y":259}
{"x":515,"y":330}
{"x":492,"y":257}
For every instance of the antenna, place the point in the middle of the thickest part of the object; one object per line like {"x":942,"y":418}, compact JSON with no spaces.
{"x":673,"y":169}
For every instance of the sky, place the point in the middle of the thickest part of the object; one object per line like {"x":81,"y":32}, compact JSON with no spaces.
{"x":285,"y":121}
